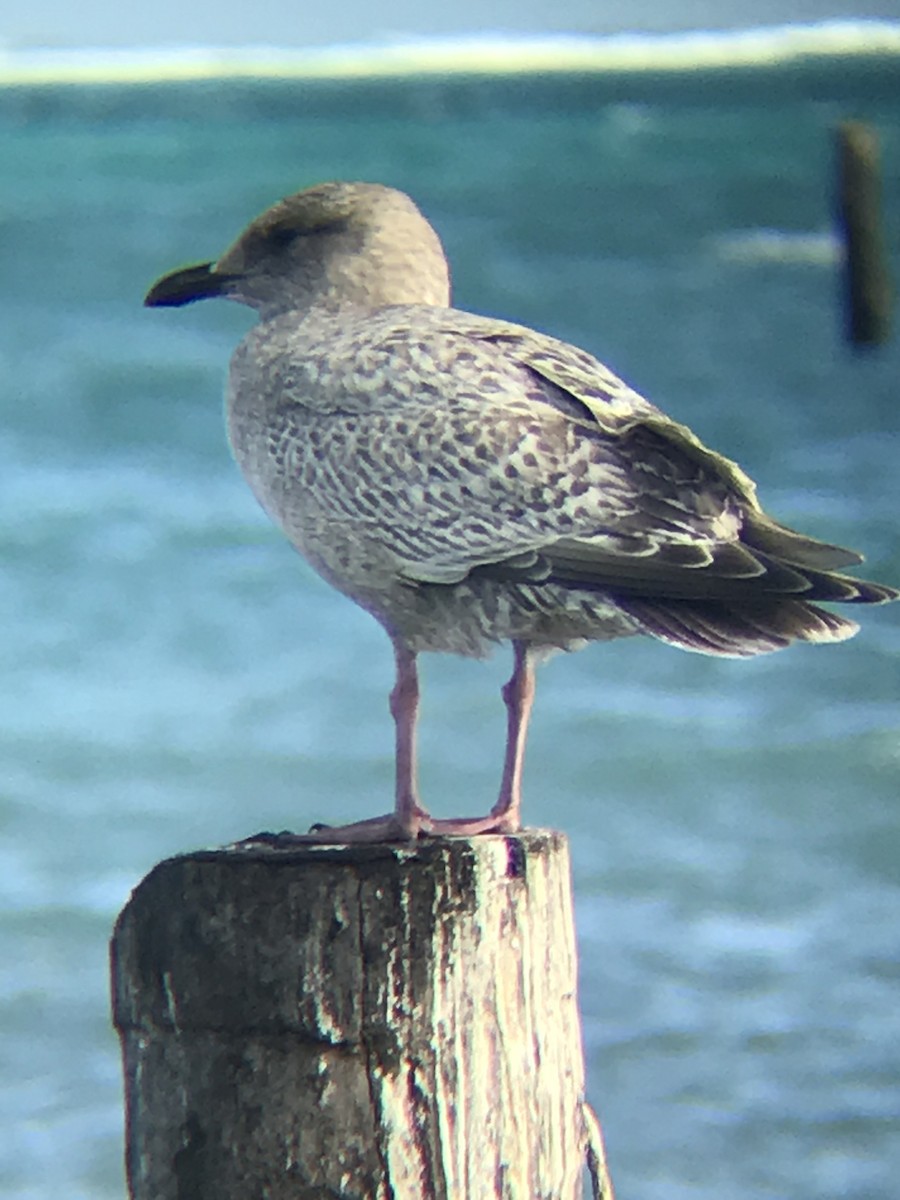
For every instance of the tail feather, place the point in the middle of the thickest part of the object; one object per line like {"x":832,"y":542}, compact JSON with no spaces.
{"x":737,"y":630}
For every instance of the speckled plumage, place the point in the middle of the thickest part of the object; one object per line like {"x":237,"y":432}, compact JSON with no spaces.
{"x":412,"y":490}
{"x":470,"y":481}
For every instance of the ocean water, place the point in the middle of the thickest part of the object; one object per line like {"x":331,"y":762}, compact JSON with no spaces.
{"x":174,"y":676}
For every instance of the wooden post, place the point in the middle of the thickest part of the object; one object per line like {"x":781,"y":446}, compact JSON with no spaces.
{"x":365,"y":1022}
{"x":867,"y":282}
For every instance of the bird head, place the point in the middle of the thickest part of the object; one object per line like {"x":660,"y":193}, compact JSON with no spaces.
{"x":330,"y":246}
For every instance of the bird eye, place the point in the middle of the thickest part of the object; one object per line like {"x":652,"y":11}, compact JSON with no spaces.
{"x":280,"y":236}
{"x":283,"y":235}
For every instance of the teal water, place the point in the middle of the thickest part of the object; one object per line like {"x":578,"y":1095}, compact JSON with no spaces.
{"x":174,"y":676}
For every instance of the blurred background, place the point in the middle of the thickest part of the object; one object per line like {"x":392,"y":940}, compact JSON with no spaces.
{"x":174,"y":676}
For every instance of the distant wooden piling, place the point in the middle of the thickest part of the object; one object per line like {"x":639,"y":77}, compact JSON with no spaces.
{"x":363,"y":1022}
{"x":867,"y":287}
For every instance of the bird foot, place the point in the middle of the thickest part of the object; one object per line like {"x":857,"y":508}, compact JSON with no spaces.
{"x":469,"y":826}
{"x":386,"y":828}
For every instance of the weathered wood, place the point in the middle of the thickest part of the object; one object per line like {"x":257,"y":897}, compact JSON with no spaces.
{"x":361,"y":1022}
{"x":868,"y":293}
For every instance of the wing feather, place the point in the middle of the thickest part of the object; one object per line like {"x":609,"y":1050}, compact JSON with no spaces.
{"x":540,"y":465}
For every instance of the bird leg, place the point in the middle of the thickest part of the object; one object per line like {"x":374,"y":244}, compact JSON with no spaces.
{"x":406,"y":821}
{"x":518,"y":695}
{"x":408,"y":813}
{"x":409,"y":818}
{"x":505,"y":816}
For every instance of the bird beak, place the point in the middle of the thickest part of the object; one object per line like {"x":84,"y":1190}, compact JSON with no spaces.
{"x":188,"y":284}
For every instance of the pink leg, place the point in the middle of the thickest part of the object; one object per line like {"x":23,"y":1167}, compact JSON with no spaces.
{"x":505,"y":816}
{"x":518,"y":695}
{"x":408,"y":813}
{"x":408,"y":817}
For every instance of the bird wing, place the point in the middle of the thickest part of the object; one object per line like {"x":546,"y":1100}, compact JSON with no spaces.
{"x":782,"y":560}
{"x":483,"y":447}
{"x":619,"y":410}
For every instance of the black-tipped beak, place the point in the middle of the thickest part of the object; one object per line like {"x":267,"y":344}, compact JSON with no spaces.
{"x":186,"y":286}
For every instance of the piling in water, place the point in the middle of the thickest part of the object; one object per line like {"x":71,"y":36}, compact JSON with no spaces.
{"x":867,"y":287}
{"x":368,"y":1022}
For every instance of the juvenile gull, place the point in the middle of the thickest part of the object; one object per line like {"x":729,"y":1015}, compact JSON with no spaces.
{"x":469,"y":481}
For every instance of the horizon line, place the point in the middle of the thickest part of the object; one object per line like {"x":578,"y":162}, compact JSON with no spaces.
{"x":470,"y":54}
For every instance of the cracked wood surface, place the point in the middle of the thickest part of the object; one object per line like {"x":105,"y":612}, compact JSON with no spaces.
{"x":371,"y":1022}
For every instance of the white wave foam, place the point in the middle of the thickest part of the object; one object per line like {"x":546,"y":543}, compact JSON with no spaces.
{"x":490,"y":54}
{"x":752,"y":247}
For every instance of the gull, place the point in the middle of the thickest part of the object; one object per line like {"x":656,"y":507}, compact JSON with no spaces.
{"x":469,"y":481}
